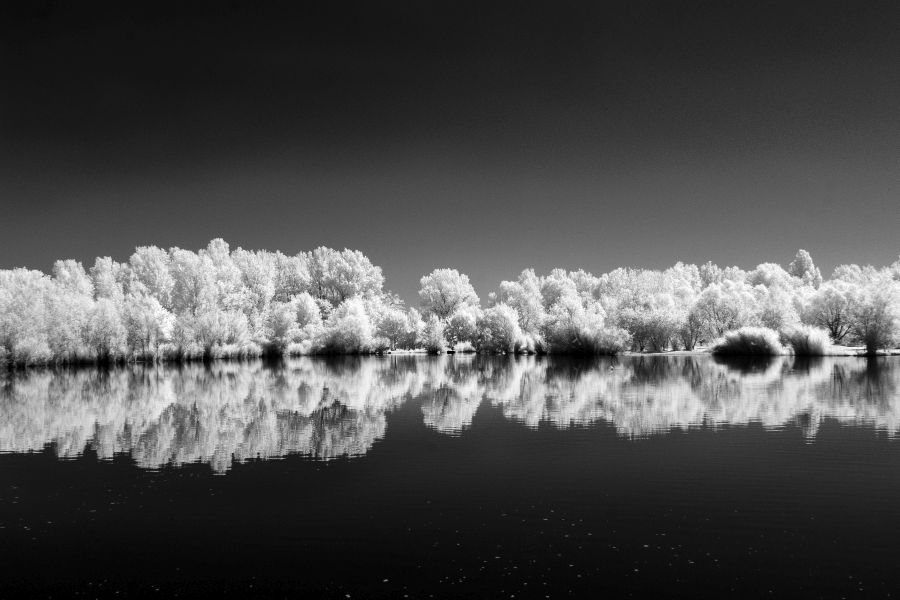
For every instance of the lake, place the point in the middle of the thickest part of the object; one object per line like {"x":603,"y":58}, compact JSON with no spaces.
{"x":454,"y":476}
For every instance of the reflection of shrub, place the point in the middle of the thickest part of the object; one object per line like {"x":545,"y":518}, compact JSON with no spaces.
{"x":747,"y":364}
{"x":806,"y":340}
{"x":749,"y":341}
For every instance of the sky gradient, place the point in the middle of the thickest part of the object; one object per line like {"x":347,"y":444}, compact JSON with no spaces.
{"x":489,"y":137}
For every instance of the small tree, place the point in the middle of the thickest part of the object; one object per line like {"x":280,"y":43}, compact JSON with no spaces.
{"x":432,"y":337}
{"x":803,"y":268}
{"x":498,"y":330}
{"x":831,"y":308}
{"x":876,"y":318}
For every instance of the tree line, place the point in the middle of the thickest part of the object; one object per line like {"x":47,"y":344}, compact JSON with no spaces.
{"x":178,"y":304}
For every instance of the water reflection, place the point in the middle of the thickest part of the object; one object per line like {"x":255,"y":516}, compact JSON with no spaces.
{"x":324,"y":409}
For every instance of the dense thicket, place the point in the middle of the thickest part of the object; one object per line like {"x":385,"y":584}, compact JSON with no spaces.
{"x":177,"y":305}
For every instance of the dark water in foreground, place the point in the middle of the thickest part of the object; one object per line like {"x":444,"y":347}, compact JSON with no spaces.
{"x":454,"y":477}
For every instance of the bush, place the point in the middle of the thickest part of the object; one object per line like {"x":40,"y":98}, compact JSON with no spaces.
{"x":348,"y":330}
{"x":432,"y":336}
{"x":876,"y":318}
{"x":303,"y":348}
{"x":572,"y":328}
{"x":31,"y":351}
{"x":499,"y":331}
{"x":463,"y":347}
{"x":806,"y":340}
{"x":236,"y":351}
{"x":749,"y":341}
{"x":167,"y":351}
{"x":611,"y":340}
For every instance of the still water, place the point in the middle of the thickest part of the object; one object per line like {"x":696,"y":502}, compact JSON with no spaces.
{"x":454,"y":476}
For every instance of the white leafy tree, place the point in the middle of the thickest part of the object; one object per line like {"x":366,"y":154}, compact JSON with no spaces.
{"x":498,"y":329}
{"x":444,"y":291}
{"x":803,"y":268}
{"x":152,"y":271}
{"x":876,"y":317}
{"x":831,"y":308}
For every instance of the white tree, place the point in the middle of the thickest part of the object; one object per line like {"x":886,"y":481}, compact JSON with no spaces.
{"x":524,"y":295}
{"x":230,"y":293}
{"x":876,"y":317}
{"x":281,"y":325}
{"x":392,"y":325}
{"x":724,"y":307}
{"x":151,"y":270}
{"x":147,"y":323}
{"x":348,"y":329}
{"x":23,"y":315}
{"x":108,"y":277}
{"x":70,"y":274}
{"x":258,"y":273}
{"x":802,"y":267}
{"x":194,"y":288}
{"x":462,"y":326}
{"x":498,"y":330}
{"x":444,"y":291}
{"x":105,"y":333}
{"x":338,"y":275}
{"x":555,"y":286}
{"x":292,"y":276}
{"x":432,"y":335}
{"x":831,"y":308}
{"x":770,"y":275}
{"x":309,"y":317}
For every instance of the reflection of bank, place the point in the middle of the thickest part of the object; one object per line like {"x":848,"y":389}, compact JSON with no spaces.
{"x":646,"y":395}
{"x":327,"y":408}
{"x":176,"y":415}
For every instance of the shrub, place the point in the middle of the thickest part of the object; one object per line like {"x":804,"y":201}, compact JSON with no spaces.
{"x":876,"y":318}
{"x":463,"y":347}
{"x":572,"y":328}
{"x":392,"y":326}
{"x":652,"y":328}
{"x":463,"y":325}
{"x":236,"y":351}
{"x":806,"y":340}
{"x":348,"y":330}
{"x":303,"y":348}
{"x":31,"y":351}
{"x":749,"y":341}
{"x":432,"y":337}
{"x":167,"y":351}
{"x":498,"y":330}
{"x":611,"y":340}
{"x":380,"y":344}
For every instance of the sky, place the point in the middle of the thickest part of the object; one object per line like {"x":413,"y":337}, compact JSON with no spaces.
{"x":485,"y":136}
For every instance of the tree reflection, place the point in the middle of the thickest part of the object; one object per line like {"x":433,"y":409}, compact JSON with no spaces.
{"x":337,"y":407}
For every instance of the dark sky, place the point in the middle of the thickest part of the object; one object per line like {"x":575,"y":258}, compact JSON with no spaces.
{"x":485,"y":136}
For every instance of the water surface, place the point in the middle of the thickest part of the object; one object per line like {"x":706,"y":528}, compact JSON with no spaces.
{"x":454,"y":476}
